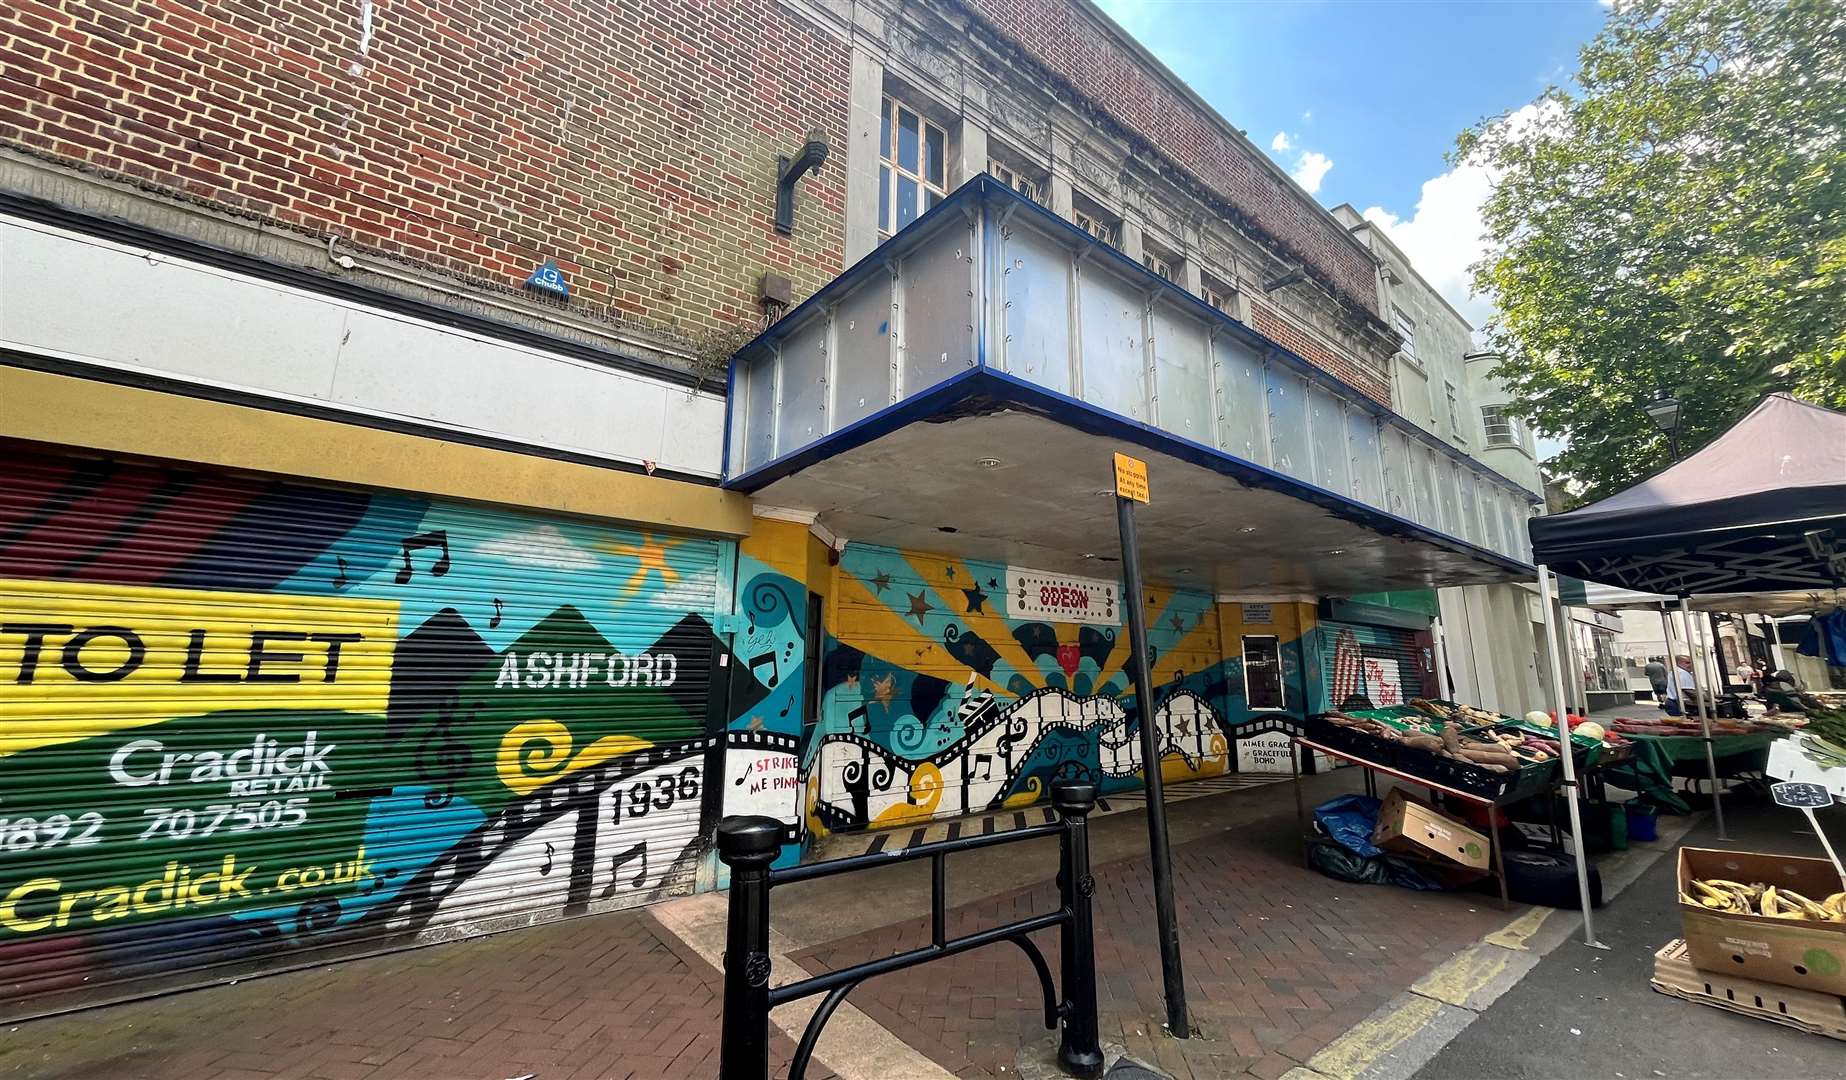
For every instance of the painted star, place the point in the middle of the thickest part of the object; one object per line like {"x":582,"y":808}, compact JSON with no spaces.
{"x":1177,"y":625}
{"x":883,"y":690}
{"x":881,"y":582}
{"x":852,"y":682}
{"x":650,"y":555}
{"x":919,"y":607}
{"x":951,"y":572}
{"x":975,"y":599}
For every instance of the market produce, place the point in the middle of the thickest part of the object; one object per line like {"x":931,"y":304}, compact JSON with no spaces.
{"x":1829,"y":725}
{"x":1539,"y":718}
{"x":1463,"y":714}
{"x":1756,"y":898}
{"x":1589,"y":728}
{"x":1667,"y":725}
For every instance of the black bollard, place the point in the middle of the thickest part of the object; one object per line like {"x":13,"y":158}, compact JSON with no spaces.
{"x":1079,"y":1048}
{"x":747,"y":845}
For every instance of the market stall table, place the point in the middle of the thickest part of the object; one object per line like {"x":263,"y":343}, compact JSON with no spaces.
{"x":1660,"y":758}
{"x":1372,"y":768}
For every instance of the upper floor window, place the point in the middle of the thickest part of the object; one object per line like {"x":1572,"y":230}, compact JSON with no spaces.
{"x":1452,"y":398}
{"x":1408,"y":329}
{"x":1016,"y":180}
{"x":1096,"y":221}
{"x":912,"y":166}
{"x":1218,"y":295}
{"x":1164,"y":265}
{"x":1500,"y":428}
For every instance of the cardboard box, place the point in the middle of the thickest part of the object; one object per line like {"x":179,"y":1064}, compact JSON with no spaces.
{"x":1806,"y":954}
{"x":1820,"y":1014}
{"x":1408,"y":824}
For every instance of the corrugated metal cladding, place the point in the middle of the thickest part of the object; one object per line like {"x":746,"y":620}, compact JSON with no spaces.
{"x":1385,"y":665}
{"x":246,"y":719}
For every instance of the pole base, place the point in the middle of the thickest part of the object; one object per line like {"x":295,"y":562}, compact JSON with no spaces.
{"x":1039,"y":1061}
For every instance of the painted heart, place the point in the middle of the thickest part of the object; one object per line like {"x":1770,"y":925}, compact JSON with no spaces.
{"x":1069,"y":656}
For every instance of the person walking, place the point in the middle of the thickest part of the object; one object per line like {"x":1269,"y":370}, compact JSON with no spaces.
{"x":1657,"y":678}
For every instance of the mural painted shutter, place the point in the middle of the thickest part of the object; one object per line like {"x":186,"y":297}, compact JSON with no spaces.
{"x":248,"y":721}
{"x":1387,"y":664}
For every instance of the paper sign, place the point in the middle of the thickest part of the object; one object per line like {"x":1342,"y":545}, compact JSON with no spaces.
{"x":1801,"y":796}
{"x":1131,"y":478}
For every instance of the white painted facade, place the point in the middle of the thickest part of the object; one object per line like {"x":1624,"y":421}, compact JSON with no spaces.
{"x":89,"y":304}
{"x":1493,"y":635}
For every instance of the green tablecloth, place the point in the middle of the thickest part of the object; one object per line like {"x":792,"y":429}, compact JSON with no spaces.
{"x":1656,"y":757}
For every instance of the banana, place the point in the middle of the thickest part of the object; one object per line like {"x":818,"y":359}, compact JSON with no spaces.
{"x":1809,"y":909}
{"x":1715,"y":894}
{"x":1769,"y":906}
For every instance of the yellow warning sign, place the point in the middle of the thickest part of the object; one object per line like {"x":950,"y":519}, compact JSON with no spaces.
{"x":1131,"y":478}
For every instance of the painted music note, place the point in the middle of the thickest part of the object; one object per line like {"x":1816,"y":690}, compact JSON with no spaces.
{"x":769,"y":660}
{"x":499,"y":608}
{"x":986,"y":763}
{"x":787,"y":705}
{"x":436,"y":539}
{"x":340,"y":581}
{"x":615,"y":866}
{"x":549,"y":852}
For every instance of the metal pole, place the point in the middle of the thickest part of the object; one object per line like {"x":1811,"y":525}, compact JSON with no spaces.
{"x":1666,"y":626}
{"x":1717,"y":654}
{"x":1577,"y":691}
{"x":1568,"y":754}
{"x":1444,"y":682}
{"x":1080,"y":1047}
{"x":747,"y":845}
{"x":1158,"y":852}
{"x":1711,"y":761}
{"x":1775,"y":642}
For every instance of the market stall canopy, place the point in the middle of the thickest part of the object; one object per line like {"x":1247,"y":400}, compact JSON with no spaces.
{"x":1762,"y":509}
{"x":963,"y":389}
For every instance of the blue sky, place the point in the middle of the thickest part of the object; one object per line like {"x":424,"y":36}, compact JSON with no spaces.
{"x":1360,"y":99}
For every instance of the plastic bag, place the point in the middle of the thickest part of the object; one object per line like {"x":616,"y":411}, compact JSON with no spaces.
{"x":1348,"y":821}
{"x":1336,"y":862}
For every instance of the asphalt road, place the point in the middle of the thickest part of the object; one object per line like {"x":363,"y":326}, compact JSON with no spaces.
{"x":1583,"y":1013}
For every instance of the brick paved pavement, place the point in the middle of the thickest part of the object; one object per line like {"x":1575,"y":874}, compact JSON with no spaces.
{"x":1279,"y":961}
{"x":610,"y":996}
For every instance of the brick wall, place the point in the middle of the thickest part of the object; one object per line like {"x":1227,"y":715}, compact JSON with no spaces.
{"x":1063,"y":38}
{"x":1369,"y":379}
{"x":633,"y":141}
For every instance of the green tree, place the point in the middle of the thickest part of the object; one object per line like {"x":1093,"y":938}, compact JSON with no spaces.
{"x":1676,"y":220}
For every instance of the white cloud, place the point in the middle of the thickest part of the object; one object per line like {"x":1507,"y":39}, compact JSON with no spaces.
{"x":1310,"y":169}
{"x":1442,"y":238}
{"x":544,"y":546}
{"x":1281,"y":142}
{"x":1307,"y":115}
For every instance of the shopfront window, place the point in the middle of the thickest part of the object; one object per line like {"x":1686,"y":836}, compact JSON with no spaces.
{"x":1603,"y":667}
{"x":1262,"y":672}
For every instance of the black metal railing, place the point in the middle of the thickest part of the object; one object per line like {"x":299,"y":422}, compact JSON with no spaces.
{"x":749,"y":844}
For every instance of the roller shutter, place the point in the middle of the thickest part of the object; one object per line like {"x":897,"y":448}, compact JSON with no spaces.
{"x":1387,"y":665}
{"x":248,"y":721}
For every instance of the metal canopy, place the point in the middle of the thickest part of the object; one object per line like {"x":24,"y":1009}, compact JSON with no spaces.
{"x":961,"y":389}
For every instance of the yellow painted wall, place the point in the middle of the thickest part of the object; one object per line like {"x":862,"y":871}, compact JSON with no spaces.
{"x":62,"y":410}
